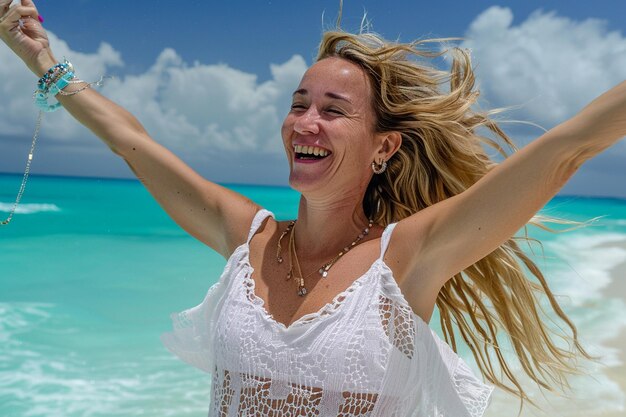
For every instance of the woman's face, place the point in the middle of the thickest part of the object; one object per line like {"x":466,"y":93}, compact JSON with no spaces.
{"x":329,"y":132}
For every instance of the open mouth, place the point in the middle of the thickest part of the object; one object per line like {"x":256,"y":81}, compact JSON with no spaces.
{"x":310,"y":153}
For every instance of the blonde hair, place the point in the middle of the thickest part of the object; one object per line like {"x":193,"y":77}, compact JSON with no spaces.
{"x":442,"y":155}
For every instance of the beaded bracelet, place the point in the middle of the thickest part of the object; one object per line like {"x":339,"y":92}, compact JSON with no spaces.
{"x":42,"y":95}
{"x":65,"y":65}
{"x":54,"y":73}
{"x":51,"y":83}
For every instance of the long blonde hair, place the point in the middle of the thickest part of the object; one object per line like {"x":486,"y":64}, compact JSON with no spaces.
{"x":442,"y":155}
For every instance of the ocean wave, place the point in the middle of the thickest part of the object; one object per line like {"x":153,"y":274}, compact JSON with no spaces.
{"x":41,"y":378}
{"x":29,"y":208}
{"x":582,"y":263}
{"x":579,"y":266}
{"x":119,"y":390}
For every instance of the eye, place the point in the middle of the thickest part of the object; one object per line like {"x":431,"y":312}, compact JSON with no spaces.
{"x":334,"y":110}
{"x":298,"y":106}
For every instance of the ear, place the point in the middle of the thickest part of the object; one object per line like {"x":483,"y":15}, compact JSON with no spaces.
{"x":390,"y":142}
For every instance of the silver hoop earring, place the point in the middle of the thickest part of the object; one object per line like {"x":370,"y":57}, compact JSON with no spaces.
{"x":379,"y":168}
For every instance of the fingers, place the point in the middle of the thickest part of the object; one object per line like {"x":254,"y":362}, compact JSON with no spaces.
{"x":12,"y":3}
{"x":4,"y":8}
{"x":28,"y":3}
{"x":12,"y":18}
{"x":6,"y":5}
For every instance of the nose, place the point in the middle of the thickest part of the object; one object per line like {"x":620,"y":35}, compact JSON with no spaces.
{"x":307,"y":122}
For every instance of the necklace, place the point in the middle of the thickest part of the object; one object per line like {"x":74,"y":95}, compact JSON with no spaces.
{"x":20,"y":192}
{"x":293,"y":256}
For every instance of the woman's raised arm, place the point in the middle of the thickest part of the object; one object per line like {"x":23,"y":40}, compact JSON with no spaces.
{"x":457,"y":232}
{"x":211,"y":213}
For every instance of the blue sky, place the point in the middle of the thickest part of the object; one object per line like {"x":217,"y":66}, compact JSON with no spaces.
{"x":211,"y":80}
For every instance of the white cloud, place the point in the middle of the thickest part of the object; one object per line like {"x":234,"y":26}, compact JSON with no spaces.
{"x":185,"y":107}
{"x":551,"y":65}
{"x":17,"y":85}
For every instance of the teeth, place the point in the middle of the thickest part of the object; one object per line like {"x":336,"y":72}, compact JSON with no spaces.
{"x":310,"y":150}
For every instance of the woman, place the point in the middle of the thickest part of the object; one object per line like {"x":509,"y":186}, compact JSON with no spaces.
{"x":401,"y":210}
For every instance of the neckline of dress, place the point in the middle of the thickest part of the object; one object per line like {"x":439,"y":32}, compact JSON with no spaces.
{"x":309,"y":318}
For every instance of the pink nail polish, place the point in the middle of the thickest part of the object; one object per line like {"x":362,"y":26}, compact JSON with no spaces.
{"x":40,"y":19}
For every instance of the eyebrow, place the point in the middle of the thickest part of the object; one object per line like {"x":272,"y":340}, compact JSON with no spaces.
{"x":330,"y":94}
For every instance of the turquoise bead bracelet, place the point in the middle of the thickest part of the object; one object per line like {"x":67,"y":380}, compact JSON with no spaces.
{"x":42,"y":95}
{"x":47,"y":78}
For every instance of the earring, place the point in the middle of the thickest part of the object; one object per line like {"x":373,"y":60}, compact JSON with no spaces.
{"x":380,"y":167}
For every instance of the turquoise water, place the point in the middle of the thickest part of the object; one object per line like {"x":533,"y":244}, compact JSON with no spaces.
{"x":91,"y":269}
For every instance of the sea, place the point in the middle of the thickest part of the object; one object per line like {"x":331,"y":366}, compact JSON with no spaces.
{"x":91,"y":269}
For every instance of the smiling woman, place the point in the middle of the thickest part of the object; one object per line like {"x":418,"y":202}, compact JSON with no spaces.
{"x":332,"y":111}
{"x":401,"y":210}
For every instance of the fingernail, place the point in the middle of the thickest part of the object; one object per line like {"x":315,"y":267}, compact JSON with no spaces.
{"x":40,"y":19}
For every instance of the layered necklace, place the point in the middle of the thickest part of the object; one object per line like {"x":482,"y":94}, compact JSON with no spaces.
{"x":295,"y":271}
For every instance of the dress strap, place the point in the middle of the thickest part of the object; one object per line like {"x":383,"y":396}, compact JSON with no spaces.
{"x":258,"y":220}
{"x":384,"y":239}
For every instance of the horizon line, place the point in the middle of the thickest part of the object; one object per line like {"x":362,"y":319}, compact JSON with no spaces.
{"x":133,"y":179}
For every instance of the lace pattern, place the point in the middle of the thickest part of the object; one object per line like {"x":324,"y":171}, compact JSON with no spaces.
{"x":326,"y":310}
{"x":365,"y":353}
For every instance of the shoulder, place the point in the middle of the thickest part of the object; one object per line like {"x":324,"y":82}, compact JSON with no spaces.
{"x":241,"y":222}
{"x":263,"y":230}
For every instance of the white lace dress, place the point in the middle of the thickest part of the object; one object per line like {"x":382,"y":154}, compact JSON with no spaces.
{"x":365,"y":354}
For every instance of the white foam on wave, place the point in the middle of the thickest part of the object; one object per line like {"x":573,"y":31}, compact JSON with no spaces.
{"x":584,"y":263}
{"x":578,"y":267}
{"x":40,"y":379}
{"x":30,"y":208}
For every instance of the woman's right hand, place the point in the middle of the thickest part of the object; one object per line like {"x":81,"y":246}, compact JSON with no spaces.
{"x":22,"y":31}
